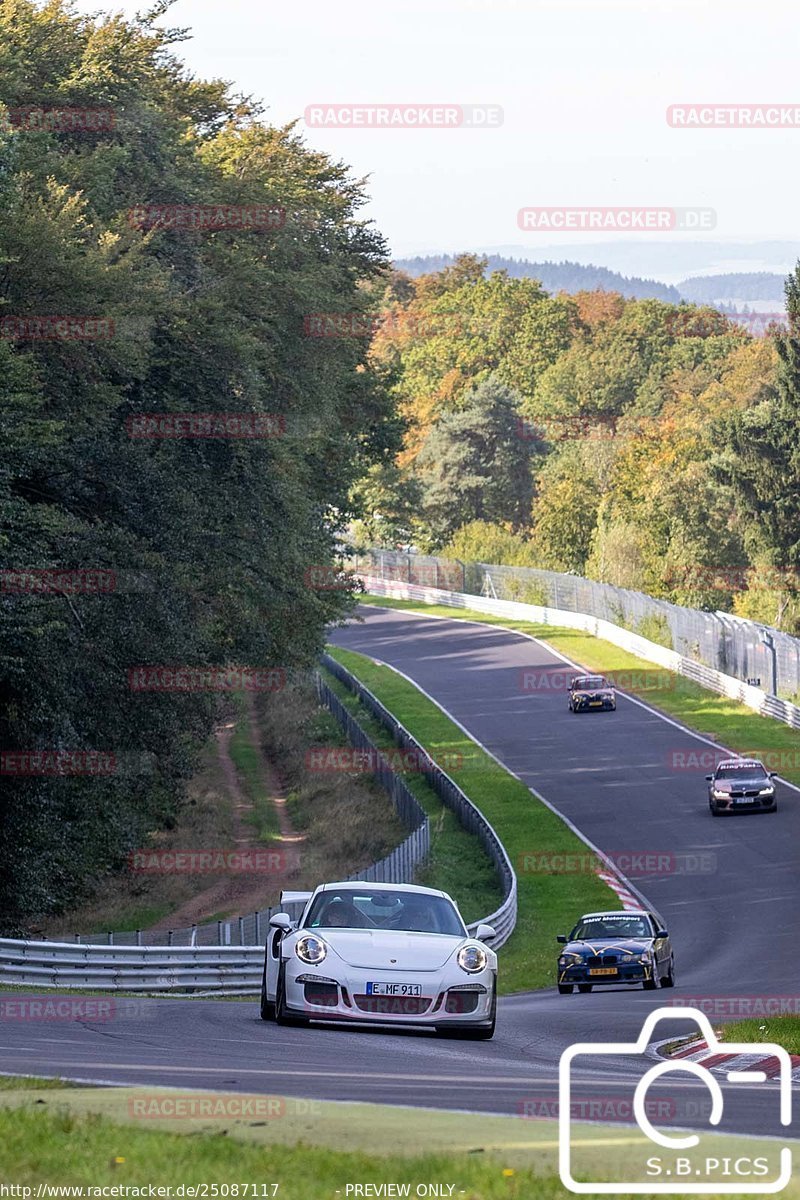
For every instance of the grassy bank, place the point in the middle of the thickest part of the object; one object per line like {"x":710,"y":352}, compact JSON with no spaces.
{"x":784,"y":1030}
{"x":457,"y":862}
{"x":308,"y":1148}
{"x":548,"y":904}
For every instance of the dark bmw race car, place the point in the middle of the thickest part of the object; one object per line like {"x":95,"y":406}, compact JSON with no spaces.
{"x":587,"y":692}
{"x":616,"y":947}
{"x":741,"y":785}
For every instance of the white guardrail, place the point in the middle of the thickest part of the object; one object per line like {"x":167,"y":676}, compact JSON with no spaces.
{"x":727,"y":685}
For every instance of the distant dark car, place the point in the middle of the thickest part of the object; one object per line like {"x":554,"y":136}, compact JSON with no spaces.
{"x":616,"y":948}
{"x":741,"y":785}
{"x":591,"y":692}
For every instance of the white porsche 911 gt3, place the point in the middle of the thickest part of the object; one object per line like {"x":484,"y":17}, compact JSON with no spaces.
{"x":379,"y":953}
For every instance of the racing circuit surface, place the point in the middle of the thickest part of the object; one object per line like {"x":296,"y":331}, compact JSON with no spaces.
{"x":733,"y":928}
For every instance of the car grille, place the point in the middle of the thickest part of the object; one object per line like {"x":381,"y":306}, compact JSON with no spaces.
{"x":604,"y":960}
{"x":461,"y":1002}
{"x":325,"y":994}
{"x":394,"y":1006}
{"x":744,"y":792}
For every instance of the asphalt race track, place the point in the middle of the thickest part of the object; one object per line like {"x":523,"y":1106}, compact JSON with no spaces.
{"x":733,"y":924}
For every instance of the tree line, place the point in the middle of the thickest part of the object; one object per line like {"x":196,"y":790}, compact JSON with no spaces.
{"x":646,"y":444}
{"x":178,"y":455}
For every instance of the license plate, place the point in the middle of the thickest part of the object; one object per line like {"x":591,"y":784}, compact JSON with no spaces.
{"x":595,"y":703}
{"x":394,"y":989}
{"x":602,"y":970}
{"x":745,"y":800}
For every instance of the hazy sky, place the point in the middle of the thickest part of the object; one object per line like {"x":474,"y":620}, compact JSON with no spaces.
{"x":584,"y":85}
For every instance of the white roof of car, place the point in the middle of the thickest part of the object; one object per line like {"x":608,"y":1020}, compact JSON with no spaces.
{"x":381,"y":887}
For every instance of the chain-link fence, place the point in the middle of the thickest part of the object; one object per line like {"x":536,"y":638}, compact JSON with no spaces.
{"x":744,"y":649}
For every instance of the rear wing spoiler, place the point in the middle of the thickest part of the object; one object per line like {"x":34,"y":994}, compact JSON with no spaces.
{"x":295,"y":899}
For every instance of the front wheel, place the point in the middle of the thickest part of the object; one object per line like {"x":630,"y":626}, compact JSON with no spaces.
{"x":565,"y":989}
{"x":584,"y":987}
{"x":650,"y":985}
{"x":668,"y":980}
{"x":483,"y":1035}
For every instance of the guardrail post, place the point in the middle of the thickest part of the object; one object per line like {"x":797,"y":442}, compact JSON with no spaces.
{"x":78,"y":938}
{"x":110,"y":938}
{"x":169,"y":937}
{"x":258,"y":928}
{"x":241,"y":931}
{"x":219,"y":933}
{"x":138,"y":937}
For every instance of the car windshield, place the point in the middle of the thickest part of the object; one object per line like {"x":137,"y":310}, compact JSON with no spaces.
{"x":741,"y":771}
{"x":590,"y":681}
{"x":611,"y":927}
{"x":362,"y":908}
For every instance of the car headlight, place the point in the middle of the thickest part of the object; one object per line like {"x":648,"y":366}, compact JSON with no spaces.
{"x":718,"y":795}
{"x":767,"y":791}
{"x":646,"y":957}
{"x":472,"y":959}
{"x":310,"y":949}
{"x":628,"y":958}
{"x":569,"y":960}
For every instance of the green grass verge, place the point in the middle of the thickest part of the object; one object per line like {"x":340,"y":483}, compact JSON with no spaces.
{"x":310,"y":1149}
{"x":717,"y":717}
{"x":456,"y":856}
{"x":245,"y":756}
{"x":548,"y":904}
{"x":784,"y":1029}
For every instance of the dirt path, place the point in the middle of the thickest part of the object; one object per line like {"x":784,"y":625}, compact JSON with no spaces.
{"x":244,"y":892}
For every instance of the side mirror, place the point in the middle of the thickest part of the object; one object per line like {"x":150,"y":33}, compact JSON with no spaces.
{"x":773,"y":774}
{"x":709,"y":778}
{"x":562,"y":938}
{"x":485,"y":933}
{"x":282,"y":921}
{"x":661,"y":933}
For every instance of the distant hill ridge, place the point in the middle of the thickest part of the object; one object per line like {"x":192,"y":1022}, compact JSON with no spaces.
{"x":575,"y":277}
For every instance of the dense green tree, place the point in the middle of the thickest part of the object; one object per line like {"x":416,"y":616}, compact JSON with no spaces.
{"x":210,"y":538}
{"x":475,"y":465}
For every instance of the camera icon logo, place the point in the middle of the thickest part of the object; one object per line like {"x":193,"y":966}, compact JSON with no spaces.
{"x":684,"y":1166}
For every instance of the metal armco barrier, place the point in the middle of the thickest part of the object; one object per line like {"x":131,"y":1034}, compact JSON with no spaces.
{"x":716,"y":681}
{"x":505,"y":918}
